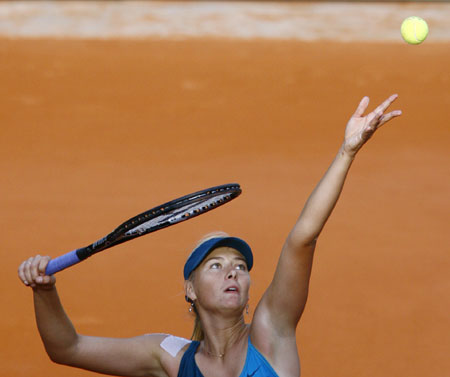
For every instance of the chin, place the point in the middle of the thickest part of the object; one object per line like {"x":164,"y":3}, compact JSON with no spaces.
{"x":235,"y":308}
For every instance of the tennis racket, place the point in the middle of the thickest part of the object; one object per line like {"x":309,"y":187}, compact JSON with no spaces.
{"x":159,"y":217}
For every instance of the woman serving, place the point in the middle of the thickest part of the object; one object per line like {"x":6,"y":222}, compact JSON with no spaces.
{"x":217,"y":283}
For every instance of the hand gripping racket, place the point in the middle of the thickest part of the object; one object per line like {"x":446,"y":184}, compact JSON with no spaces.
{"x":159,"y":217}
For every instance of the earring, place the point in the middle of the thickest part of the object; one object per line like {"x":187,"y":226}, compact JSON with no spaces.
{"x":246,"y":309}
{"x":191,"y":307}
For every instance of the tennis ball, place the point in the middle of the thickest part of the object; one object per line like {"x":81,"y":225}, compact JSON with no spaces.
{"x":414,"y":30}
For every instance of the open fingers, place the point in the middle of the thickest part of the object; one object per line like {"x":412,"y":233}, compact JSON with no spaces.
{"x":387,"y":117}
{"x":378,"y":112}
{"x":383,"y":106}
{"x":377,"y":117}
{"x":362,"y":106}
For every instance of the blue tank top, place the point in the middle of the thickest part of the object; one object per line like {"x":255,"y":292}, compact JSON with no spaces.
{"x":255,"y":365}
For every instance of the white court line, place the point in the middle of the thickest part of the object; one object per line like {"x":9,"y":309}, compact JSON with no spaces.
{"x":243,"y":20}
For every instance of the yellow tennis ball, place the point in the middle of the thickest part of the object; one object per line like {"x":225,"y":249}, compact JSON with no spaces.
{"x":414,"y":30}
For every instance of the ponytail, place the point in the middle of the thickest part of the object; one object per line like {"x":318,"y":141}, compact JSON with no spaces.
{"x":197,"y":333}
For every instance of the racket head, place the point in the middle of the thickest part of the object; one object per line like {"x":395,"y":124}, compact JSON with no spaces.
{"x":176,"y":211}
{"x":165,"y":215}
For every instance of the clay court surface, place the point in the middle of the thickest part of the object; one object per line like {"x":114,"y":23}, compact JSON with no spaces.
{"x":94,"y":131}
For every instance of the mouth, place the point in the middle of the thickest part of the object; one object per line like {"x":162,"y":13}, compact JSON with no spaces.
{"x":232,"y":289}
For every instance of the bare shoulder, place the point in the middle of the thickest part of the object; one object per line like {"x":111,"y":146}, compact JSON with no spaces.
{"x":170,"y":350}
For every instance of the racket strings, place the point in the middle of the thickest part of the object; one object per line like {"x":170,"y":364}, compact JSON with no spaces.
{"x":182,"y":213}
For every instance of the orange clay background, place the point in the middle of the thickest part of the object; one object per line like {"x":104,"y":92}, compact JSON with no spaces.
{"x":94,"y":132}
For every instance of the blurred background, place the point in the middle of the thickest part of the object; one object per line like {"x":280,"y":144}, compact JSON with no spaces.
{"x":109,"y":108}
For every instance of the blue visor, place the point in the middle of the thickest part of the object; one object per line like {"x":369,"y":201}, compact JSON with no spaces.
{"x":200,"y":253}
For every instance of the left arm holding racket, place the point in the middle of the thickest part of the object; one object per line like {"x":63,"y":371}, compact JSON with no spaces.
{"x":136,"y":356}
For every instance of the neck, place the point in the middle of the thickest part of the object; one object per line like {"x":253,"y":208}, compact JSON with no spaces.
{"x":220,"y":335}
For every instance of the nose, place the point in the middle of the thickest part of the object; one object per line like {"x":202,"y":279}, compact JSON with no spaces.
{"x":232,"y":274}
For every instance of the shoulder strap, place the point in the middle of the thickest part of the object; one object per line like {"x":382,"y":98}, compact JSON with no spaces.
{"x":188,"y":367}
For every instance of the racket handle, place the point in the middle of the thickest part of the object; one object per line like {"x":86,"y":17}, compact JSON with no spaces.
{"x":62,"y":262}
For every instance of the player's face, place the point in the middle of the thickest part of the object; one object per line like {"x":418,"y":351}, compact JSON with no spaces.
{"x":222,"y":281}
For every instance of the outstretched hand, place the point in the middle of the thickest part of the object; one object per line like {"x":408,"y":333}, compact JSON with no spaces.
{"x":360,"y":128}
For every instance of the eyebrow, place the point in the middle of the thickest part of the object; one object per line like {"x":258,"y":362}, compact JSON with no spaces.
{"x":237,"y":257}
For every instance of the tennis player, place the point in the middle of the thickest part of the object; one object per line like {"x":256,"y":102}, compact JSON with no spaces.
{"x":217,"y":283}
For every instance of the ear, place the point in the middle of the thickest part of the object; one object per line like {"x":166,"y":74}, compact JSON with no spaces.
{"x":189,"y":291}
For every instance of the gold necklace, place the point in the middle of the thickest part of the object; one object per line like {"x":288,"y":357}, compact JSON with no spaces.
{"x":220,"y":355}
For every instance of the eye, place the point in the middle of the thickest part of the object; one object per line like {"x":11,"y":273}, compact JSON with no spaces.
{"x":215,"y":265}
{"x":241,"y":266}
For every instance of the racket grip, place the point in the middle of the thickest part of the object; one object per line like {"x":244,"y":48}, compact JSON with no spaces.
{"x":62,"y":262}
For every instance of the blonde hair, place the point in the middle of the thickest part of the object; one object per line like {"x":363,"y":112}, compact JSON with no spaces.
{"x":197,"y":333}
{"x":209,"y":236}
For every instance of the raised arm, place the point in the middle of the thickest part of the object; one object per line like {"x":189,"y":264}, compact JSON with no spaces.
{"x":282,"y":305}
{"x":139,"y":356}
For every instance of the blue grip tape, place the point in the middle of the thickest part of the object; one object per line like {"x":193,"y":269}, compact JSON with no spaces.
{"x":62,"y":262}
